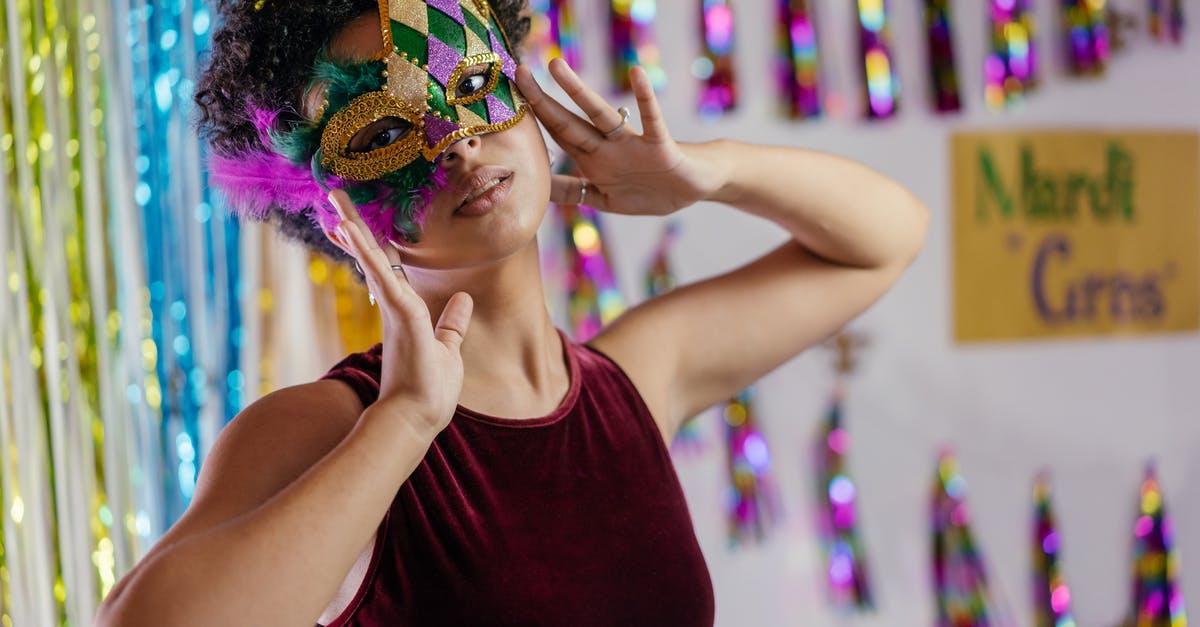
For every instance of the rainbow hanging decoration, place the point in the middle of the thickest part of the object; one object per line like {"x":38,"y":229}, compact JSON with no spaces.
{"x":553,"y":33}
{"x":849,"y":586}
{"x":943,"y":73}
{"x":797,"y":69}
{"x":1085,"y":25}
{"x":1011,"y":68}
{"x":634,"y":42}
{"x":960,"y":581}
{"x":882,"y":88}
{"x":714,"y":67}
{"x":1051,"y":596}
{"x":1166,"y":20}
{"x":1157,"y":597}
{"x":593,"y":298}
{"x":753,"y":497}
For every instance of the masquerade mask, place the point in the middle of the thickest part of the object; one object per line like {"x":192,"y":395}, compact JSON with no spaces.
{"x":449,"y":75}
{"x":446,"y":72}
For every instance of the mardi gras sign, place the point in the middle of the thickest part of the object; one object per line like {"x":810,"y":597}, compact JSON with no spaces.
{"x":1075,"y":233}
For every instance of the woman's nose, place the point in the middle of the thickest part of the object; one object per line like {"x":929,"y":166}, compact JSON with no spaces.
{"x":461,"y":149}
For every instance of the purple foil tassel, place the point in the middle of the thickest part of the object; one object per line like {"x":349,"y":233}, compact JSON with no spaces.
{"x":714,"y":67}
{"x":879,"y":72}
{"x":943,"y":73}
{"x":798,"y":65}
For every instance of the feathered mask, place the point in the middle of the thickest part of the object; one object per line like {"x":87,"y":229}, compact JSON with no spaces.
{"x":446,"y":72}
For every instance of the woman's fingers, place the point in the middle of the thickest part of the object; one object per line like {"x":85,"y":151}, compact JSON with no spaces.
{"x":569,"y":190}
{"x":604,"y":117}
{"x":654,"y":125}
{"x":569,"y":130}
{"x":386,"y":284}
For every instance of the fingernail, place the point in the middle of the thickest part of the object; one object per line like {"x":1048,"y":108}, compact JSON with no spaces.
{"x":337,"y":206}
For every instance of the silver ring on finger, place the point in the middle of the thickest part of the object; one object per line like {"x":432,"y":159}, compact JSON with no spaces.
{"x":624,"y":111}
{"x":399,"y":267}
{"x":583,"y":183}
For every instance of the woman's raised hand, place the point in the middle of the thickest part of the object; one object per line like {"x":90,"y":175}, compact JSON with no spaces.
{"x":625,"y":171}
{"x":422,"y":366}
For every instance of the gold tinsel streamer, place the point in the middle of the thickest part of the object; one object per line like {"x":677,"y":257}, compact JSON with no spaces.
{"x":57,"y":318}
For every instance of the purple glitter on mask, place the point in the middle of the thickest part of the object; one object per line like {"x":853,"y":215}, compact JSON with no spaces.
{"x":498,"y":111}
{"x":442,"y":60}
{"x":508,"y":67}
{"x":450,"y":7}
{"x":436,"y":129}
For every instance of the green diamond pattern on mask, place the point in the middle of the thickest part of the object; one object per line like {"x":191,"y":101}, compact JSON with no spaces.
{"x":411,"y":42}
{"x":478,"y":27}
{"x":447,"y":30}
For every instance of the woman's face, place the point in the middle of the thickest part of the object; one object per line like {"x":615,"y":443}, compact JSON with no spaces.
{"x":497,"y":184}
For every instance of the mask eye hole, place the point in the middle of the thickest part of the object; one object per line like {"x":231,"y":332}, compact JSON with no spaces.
{"x":379,"y":134}
{"x":474,"y":80}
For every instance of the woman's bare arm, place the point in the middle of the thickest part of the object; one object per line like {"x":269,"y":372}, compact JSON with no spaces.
{"x":269,"y":539}
{"x":283,"y":508}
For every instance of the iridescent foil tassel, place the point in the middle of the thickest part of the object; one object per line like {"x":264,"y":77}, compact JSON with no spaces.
{"x":849,"y":586}
{"x":753,"y":496}
{"x":714,"y":67}
{"x":634,"y":42}
{"x":1086,"y":33}
{"x":882,"y":88}
{"x":552,"y":33}
{"x":943,"y":73}
{"x":798,"y":66}
{"x":959,"y":577}
{"x":593,"y":299}
{"x":1051,"y":596}
{"x":1166,"y":20}
{"x":1157,"y":597}
{"x":1010,"y":69}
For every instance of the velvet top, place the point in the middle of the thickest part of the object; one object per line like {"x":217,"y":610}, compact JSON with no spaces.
{"x":574,"y":518}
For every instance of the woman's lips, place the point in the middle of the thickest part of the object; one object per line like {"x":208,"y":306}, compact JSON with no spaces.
{"x":488,"y":200}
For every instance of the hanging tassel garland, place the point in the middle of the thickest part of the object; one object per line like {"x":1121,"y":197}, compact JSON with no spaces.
{"x":714,"y":67}
{"x":1011,"y":67}
{"x":593,"y":298}
{"x":553,"y":33}
{"x":882,"y":88}
{"x":1086,"y":31}
{"x":1051,"y":596}
{"x":959,"y":577}
{"x":1157,"y":596}
{"x":1166,"y":20}
{"x":797,"y":64}
{"x":849,"y":586}
{"x":753,"y":498}
{"x":634,"y":42}
{"x":943,"y":73}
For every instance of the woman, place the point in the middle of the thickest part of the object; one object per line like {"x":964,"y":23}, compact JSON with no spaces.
{"x":484,"y":469}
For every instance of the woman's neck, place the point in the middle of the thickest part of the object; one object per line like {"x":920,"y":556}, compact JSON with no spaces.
{"x":512,"y":356}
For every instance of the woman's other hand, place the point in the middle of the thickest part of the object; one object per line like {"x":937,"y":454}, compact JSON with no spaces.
{"x":422,"y":364}
{"x":625,"y":172}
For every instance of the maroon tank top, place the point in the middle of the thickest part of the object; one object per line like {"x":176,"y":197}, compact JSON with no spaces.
{"x":575,"y":518}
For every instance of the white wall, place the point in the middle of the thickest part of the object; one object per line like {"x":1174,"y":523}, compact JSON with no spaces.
{"x":1092,"y":410}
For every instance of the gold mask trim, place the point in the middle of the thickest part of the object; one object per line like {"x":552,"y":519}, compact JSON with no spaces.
{"x":360,"y":113}
{"x":463,"y":66}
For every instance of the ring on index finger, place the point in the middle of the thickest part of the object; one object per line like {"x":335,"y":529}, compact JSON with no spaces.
{"x":399,"y":267}
{"x":624,"y":111}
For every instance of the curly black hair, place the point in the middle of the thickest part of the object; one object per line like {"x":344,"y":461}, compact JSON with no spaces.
{"x":263,"y":52}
